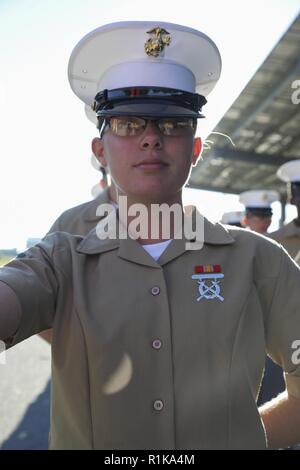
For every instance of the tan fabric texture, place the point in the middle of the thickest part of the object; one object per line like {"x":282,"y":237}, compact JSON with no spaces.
{"x":289,"y":237}
{"x":140,"y":359}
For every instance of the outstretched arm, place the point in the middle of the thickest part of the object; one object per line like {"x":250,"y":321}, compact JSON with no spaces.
{"x":29,"y":290}
{"x":10,"y":312}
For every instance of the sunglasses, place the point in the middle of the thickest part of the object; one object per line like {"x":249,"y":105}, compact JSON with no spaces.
{"x":128,"y":126}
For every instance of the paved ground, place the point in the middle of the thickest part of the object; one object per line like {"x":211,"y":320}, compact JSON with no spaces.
{"x":25,"y":396}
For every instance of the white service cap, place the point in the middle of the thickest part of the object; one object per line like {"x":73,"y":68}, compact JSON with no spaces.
{"x":90,"y":114}
{"x":233,"y":217}
{"x":260,"y":199}
{"x":289,"y":172}
{"x":144,"y":54}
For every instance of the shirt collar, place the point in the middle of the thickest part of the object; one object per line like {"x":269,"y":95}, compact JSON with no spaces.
{"x":89,"y":215}
{"x":131,"y":250}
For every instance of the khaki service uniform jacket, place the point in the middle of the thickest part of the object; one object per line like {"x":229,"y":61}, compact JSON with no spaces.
{"x":81,"y":219}
{"x":289,"y":237}
{"x":145,"y":359}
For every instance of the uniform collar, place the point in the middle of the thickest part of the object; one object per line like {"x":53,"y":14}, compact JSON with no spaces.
{"x":216,"y":234}
{"x":89,"y":215}
{"x":129,"y":249}
{"x":291,"y":229}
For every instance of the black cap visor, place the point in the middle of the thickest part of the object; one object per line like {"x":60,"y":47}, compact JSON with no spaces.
{"x":148,"y":102}
{"x":149,"y":110}
{"x":259,"y":211}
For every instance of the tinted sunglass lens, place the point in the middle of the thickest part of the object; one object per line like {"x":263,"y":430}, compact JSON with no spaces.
{"x":127,"y":126}
{"x":176,"y":126}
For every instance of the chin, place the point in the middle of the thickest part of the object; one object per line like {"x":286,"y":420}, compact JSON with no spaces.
{"x":153,"y":194}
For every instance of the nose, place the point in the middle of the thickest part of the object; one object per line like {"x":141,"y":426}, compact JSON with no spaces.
{"x":151,"y":137}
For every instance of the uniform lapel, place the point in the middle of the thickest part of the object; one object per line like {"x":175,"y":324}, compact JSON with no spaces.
{"x":211,"y":234}
{"x":131,"y":250}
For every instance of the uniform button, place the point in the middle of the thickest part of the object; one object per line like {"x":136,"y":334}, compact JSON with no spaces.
{"x":158,"y":405}
{"x":155,"y":290}
{"x":156,"y":344}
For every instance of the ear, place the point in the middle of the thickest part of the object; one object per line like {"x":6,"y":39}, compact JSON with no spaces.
{"x":197,"y":150}
{"x":244,"y":221}
{"x":98,"y":151}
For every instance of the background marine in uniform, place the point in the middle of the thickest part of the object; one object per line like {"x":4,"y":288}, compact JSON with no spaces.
{"x":258,"y":211}
{"x":289,"y":235}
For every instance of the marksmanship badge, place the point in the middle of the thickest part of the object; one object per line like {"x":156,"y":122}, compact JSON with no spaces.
{"x":157,"y":42}
{"x":208,"y":277}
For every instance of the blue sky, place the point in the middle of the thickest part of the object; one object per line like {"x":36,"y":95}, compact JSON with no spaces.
{"x":45,"y":136}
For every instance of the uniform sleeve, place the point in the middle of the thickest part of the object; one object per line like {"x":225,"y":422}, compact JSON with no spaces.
{"x":32,"y":278}
{"x":9,"y":322}
{"x":283,"y":326}
{"x":56,"y":227}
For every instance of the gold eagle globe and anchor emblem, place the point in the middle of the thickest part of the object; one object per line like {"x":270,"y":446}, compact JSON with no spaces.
{"x":157,"y":42}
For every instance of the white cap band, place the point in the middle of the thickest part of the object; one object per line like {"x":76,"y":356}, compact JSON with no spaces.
{"x":133,"y":74}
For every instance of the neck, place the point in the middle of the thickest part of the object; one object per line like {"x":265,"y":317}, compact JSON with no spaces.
{"x":151,"y":221}
{"x":112,"y":193}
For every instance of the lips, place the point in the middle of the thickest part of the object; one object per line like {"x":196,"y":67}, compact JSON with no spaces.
{"x":151,"y":163}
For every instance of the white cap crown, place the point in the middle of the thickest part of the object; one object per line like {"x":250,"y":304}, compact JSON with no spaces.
{"x":233,"y":217}
{"x":258,"y":198}
{"x":147,"y":54}
{"x":290,"y":172}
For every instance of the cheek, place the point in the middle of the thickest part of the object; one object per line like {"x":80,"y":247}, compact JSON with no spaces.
{"x":114,"y":156}
{"x":267,"y":223}
{"x":185,"y":147}
{"x":182,"y":151}
{"x":118,"y":156}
